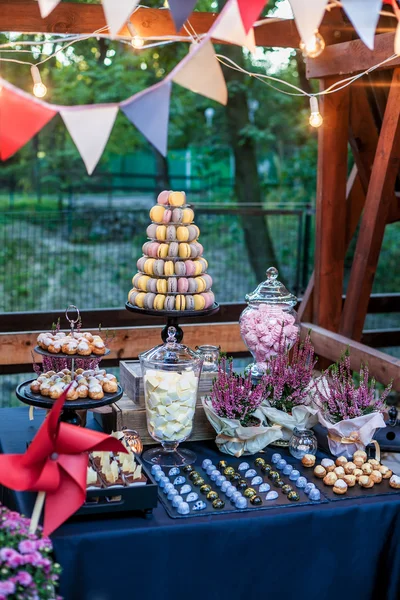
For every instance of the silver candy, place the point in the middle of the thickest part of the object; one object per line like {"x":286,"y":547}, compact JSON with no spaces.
{"x":185,"y":489}
{"x":309,"y":487}
{"x":264,"y":487}
{"x":287,"y":469}
{"x":230,"y":491}
{"x":200,"y":505}
{"x":294,"y":475}
{"x":210,"y":469}
{"x":301,"y":482}
{"x":241,"y":502}
{"x":250,"y":473}
{"x":271,"y":496}
{"x":174,"y":471}
{"x":179,"y":480}
{"x":163,"y":481}
{"x":158,"y":475}
{"x":220,"y":480}
{"x":281,"y":464}
{"x":183,"y":508}
{"x":176,"y":500}
{"x":155,"y":468}
{"x":206,"y":462}
{"x":275,"y":458}
{"x":235,"y":496}
{"x":167,"y":488}
{"x":192,"y":497}
{"x":314,"y":495}
{"x":257,"y":480}
{"x":225,"y":485}
{"x":172,"y":494}
{"x":214,"y":474}
{"x":243,"y":466}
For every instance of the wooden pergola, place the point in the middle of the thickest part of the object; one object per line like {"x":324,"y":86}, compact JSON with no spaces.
{"x":364,"y":117}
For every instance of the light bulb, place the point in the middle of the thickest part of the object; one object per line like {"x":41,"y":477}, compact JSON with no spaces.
{"x":315,"y":119}
{"x":314,"y":46}
{"x":39,"y":89}
{"x":137,"y":41}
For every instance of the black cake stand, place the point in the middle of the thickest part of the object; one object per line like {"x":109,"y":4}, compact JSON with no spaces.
{"x":173,"y":316}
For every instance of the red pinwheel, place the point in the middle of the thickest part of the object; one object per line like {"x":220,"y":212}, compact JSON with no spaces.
{"x":56,"y":464}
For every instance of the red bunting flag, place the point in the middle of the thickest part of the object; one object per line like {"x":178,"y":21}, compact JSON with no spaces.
{"x":21,"y":117}
{"x":56,"y":464}
{"x":250,"y":10}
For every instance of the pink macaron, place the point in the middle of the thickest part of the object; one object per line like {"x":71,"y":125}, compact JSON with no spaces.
{"x":209,"y":299}
{"x":190,"y":268}
{"x":152,"y":249}
{"x":208,"y":280}
{"x":167,"y":216}
{"x":183,"y":285}
{"x":163,"y":197}
{"x":140,"y":263}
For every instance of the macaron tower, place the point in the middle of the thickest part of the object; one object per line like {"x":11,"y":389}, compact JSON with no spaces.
{"x":172,"y":273}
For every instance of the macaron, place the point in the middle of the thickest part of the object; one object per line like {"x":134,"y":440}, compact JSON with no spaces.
{"x":171,"y":233}
{"x":199,"y":302}
{"x":180,"y":302}
{"x":189,"y":302}
{"x":177,"y":215}
{"x":196,"y":248}
{"x":201,"y":284}
{"x":209,"y":299}
{"x":180,"y":268}
{"x":142,"y":283}
{"x":158,"y":267}
{"x":141,"y":262}
{"x":173,"y":249}
{"x":162,"y":251}
{"x":139,"y":300}
{"x":198,"y":268}
{"x":183,"y":285}
{"x":172,"y":284}
{"x":149,"y":301}
{"x":169,"y":268}
{"x":145,"y":247}
{"x":151,"y":231}
{"x":167,"y":216}
{"x":204,"y":264}
{"x":152,"y":286}
{"x":159,"y":301}
{"x":190,"y":267}
{"x":132,"y":295}
{"x":192,"y":285}
{"x":182,"y":234}
{"x":135,"y":280}
{"x":162,"y":286}
{"x":161,"y":233}
{"x":194,"y":253}
{"x":184,"y":250}
{"x":163,"y":197}
{"x":177,"y":198}
{"x":151,"y":249}
{"x":149,"y":266}
{"x":187,"y":216}
{"x":169,"y":303}
{"x":157,"y":213}
{"x":208,"y":280}
{"x":194,"y":232}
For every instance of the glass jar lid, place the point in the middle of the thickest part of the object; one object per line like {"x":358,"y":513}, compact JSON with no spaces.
{"x":271,"y":291}
{"x":171,"y":353}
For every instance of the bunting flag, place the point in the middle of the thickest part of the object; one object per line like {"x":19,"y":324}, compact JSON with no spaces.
{"x":397,"y":40}
{"x":149,"y":112}
{"x":21,"y":117}
{"x":364,"y":15}
{"x":250,"y":10}
{"x":47,"y":6}
{"x":201,"y":73}
{"x":229,"y":27}
{"x":181,"y":11}
{"x":117,"y":13}
{"x":90,"y":128}
{"x":308,"y":16}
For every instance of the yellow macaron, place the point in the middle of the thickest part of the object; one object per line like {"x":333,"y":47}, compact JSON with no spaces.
{"x":139,"y":300}
{"x":182,"y":234}
{"x":142,"y":282}
{"x":157,"y":213}
{"x":184,"y":251}
{"x":159,"y":302}
{"x":180,"y":302}
{"x":163,"y":250}
{"x":169,"y":268}
{"x":177,"y":198}
{"x":199,"y":268}
{"x":148,"y":266}
{"x":162,"y":286}
{"x":161,"y":233}
{"x":201,"y":284}
{"x":187,"y":215}
{"x":199,"y":302}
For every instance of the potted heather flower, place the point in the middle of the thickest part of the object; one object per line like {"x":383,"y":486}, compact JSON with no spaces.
{"x":351,"y":411}
{"x":233,"y":409}
{"x":26,"y":567}
{"x":288,"y":379}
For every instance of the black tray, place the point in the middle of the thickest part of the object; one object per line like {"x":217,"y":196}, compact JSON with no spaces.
{"x":40,"y":350}
{"x":189,"y":314}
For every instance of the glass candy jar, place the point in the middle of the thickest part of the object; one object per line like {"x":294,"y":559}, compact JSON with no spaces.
{"x":171,"y":374}
{"x":303,"y":441}
{"x":210,"y":356}
{"x":269,"y":323}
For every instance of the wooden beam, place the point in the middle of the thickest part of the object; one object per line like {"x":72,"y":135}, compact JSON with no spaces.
{"x":352,"y":57}
{"x":379,"y":196}
{"x":383,"y":367}
{"x":331,"y":208}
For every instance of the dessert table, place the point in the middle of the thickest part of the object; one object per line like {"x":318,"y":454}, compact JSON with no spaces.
{"x":348,"y":549}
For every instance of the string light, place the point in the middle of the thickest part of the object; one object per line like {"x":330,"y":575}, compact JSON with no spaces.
{"x":39,"y":89}
{"x":315,"y":119}
{"x":137,"y":41}
{"x":314,"y":46}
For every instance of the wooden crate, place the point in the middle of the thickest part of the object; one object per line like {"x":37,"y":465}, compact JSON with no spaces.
{"x":132,"y":383}
{"x":125,"y":413}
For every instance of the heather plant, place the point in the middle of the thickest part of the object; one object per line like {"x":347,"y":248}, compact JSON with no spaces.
{"x":289,"y":375}
{"x":27,"y":571}
{"x":234,"y":396}
{"x":339,"y":395}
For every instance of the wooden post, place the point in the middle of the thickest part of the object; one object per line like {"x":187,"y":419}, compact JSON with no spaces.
{"x":377,"y":205}
{"x":331,"y":208}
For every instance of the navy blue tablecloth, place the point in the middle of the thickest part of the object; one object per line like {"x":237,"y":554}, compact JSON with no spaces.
{"x":348,"y":550}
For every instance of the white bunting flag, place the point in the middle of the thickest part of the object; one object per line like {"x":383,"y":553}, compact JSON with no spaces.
{"x":90,"y":128}
{"x":397,"y":40}
{"x":308,"y":15}
{"x":229,"y":27}
{"x":364,"y":15}
{"x":117,"y":13}
{"x":201,"y":73}
{"x":46,"y":7}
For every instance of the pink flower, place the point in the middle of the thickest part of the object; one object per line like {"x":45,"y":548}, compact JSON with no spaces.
{"x":8,"y":553}
{"x":27,"y":546}
{"x":7,"y":588}
{"x":24,"y":578}
{"x":34,"y":558}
